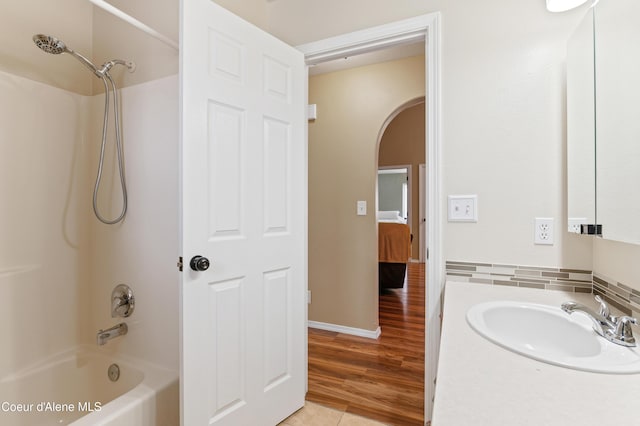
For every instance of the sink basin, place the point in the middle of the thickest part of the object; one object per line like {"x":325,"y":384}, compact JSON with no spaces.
{"x":546,"y":333}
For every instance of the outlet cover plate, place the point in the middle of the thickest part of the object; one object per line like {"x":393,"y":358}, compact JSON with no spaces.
{"x":543,"y":231}
{"x":463,"y":208}
{"x":574,"y":224}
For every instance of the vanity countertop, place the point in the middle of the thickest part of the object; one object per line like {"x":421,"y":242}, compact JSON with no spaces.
{"x":482,"y":384}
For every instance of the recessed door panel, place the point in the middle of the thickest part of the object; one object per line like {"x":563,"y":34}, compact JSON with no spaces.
{"x":226,"y":57}
{"x":227,"y":346}
{"x":277,"y":327}
{"x":226,"y":152}
{"x":276,"y":175}
{"x":277,"y":79}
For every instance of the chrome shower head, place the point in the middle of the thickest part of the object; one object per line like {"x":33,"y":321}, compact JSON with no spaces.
{"x":49,"y":44}
{"x":54,"y":46}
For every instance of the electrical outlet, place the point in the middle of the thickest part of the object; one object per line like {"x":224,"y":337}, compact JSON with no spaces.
{"x":574,"y":224}
{"x":543,"y":231}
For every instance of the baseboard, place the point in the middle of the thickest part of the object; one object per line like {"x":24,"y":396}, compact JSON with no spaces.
{"x":344,"y":329}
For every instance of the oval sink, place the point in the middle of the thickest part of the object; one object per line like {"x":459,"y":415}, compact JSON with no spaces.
{"x":548,"y":334}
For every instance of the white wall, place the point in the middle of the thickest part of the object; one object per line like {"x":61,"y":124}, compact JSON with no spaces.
{"x":503,"y":114}
{"x":142,"y":251}
{"x":58,"y":263}
{"x":617,"y":261}
{"x":42,"y":227}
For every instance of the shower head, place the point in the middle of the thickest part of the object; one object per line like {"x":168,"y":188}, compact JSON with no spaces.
{"x":54,"y":46}
{"x":49,"y":44}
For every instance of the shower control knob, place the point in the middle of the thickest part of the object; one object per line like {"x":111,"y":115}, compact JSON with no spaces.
{"x":199,"y":263}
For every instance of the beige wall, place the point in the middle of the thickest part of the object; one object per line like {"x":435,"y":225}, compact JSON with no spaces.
{"x":352,"y":107}
{"x":115,"y":39}
{"x":68,"y":20}
{"x":403,"y":142}
{"x":91,"y":32}
{"x":503,"y":126}
{"x":254,"y":11}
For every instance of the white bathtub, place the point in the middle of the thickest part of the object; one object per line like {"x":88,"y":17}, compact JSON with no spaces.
{"x":74,"y":388}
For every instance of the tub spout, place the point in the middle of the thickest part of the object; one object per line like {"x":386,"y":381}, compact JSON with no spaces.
{"x":117,"y":330}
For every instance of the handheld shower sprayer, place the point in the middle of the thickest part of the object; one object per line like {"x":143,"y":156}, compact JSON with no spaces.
{"x":55,"y":47}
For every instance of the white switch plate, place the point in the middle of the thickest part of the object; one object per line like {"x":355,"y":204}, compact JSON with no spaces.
{"x":361,"y":208}
{"x":312,"y":112}
{"x":463,"y":208}
{"x":543,"y":231}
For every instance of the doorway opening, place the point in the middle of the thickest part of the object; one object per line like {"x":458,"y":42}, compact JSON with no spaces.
{"x":419,"y":29}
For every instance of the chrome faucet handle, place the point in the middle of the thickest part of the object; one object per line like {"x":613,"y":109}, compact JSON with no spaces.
{"x":604,"y":308}
{"x":122,"y":301}
{"x":622,"y":334}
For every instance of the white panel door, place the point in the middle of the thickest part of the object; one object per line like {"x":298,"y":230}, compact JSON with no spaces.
{"x":244,"y":208}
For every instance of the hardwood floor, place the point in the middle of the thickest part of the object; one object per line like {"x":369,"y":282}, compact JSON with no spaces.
{"x":380,"y":379}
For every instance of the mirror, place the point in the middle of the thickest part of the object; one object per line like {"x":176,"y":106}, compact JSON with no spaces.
{"x":617,"y":82}
{"x":393,"y":192}
{"x":581,"y":138}
{"x":603,"y":121}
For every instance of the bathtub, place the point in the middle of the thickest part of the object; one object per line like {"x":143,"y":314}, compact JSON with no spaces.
{"x":74,"y":388}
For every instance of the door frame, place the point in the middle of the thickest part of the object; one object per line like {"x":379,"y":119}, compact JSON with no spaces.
{"x":420,"y":28}
{"x":422,"y":207}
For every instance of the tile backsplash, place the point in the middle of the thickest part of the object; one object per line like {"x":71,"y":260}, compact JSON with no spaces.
{"x":574,"y":280}
{"x":619,"y":295}
{"x":615,"y":293}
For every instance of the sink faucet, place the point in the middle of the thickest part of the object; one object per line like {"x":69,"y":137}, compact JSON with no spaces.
{"x":117,"y":330}
{"x":614,"y":329}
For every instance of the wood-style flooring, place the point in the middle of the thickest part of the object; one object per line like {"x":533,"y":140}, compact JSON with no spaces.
{"x":380,"y":379}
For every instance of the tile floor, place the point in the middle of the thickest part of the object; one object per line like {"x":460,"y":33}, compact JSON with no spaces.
{"x":313,"y":414}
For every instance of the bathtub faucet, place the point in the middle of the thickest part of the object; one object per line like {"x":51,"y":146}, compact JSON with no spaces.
{"x":117,"y":330}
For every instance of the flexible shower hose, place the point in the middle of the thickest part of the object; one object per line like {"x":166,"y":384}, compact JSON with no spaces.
{"x":105,"y":122}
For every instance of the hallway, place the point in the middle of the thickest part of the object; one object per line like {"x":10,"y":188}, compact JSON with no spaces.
{"x":380,"y":379}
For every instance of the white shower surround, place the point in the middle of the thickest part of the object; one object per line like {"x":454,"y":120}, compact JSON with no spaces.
{"x":59,"y":264}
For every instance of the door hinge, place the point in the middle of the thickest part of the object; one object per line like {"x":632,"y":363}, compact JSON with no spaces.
{"x":180,"y":264}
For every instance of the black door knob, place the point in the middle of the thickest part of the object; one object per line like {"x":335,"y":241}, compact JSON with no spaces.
{"x":199,"y":263}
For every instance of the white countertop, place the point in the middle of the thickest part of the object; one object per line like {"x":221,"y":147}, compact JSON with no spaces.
{"x":480,"y":383}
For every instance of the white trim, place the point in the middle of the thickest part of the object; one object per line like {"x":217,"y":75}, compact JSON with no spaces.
{"x":361,"y":332}
{"x":401,"y":32}
{"x":421,"y":28}
{"x":435,"y":264}
{"x":422,"y":211}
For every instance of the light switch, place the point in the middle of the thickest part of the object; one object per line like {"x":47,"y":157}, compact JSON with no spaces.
{"x":312,"y":112}
{"x":361,"y":208}
{"x":463,"y":208}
